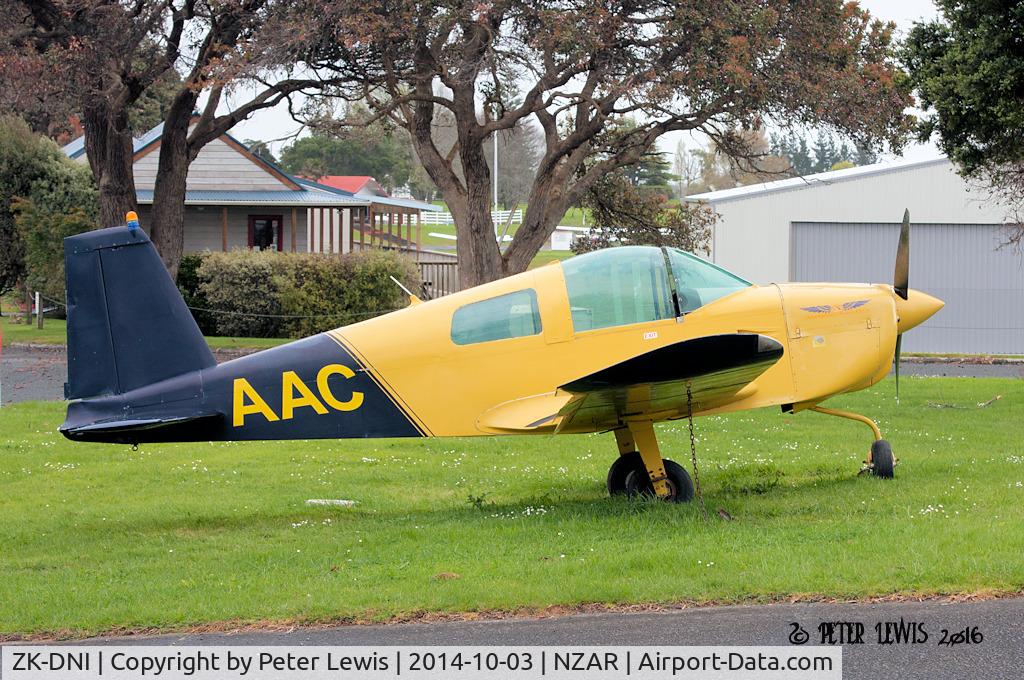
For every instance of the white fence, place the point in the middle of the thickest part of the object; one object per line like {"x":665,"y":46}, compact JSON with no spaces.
{"x":498,"y":217}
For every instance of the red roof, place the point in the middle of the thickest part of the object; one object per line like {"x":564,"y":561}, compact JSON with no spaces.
{"x":352,"y":183}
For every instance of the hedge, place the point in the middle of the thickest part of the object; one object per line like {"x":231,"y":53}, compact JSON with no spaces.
{"x":269,"y":294}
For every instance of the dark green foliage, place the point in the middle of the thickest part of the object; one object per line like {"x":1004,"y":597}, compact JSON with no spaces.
{"x":44,"y":197}
{"x":269,"y":294}
{"x":824,"y":154}
{"x":261,"y":149}
{"x":968,"y":69}
{"x":385,"y":157}
{"x":625,"y":214}
{"x":188,"y":284}
{"x":652,"y":173}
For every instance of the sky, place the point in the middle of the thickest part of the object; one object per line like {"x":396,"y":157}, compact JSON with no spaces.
{"x":274,"y":124}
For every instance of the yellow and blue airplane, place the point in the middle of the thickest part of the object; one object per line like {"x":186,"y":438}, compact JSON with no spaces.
{"x":611,"y":341}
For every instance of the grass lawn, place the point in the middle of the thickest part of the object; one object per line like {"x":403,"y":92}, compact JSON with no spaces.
{"x":98,"y":537}
{"x":574,"y":217}
{"x":54,"y":332}
{"x":546,"y":256}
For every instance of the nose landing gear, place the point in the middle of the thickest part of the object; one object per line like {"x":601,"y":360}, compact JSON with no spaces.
{"x":880,"y":462}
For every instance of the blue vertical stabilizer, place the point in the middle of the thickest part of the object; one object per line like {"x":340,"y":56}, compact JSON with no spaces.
{"x":127,"y":323}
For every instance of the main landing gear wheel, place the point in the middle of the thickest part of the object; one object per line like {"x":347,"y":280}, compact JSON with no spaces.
{"x":882,"y":460}
{"x":680,"y":485}
{"x":621,"y":468}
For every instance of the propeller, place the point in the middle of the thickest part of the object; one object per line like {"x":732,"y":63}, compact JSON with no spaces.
{"x":901,"y":284}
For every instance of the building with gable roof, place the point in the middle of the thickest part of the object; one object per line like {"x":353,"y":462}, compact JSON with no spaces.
{"x":236,"y":199}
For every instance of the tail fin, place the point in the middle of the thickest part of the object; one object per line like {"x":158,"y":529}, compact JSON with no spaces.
{"x":127,"y":323}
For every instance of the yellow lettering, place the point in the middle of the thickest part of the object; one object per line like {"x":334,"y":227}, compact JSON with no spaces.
{"x":290,"y":383}
{"x":243,"y":389}
{"x":325,"y":390}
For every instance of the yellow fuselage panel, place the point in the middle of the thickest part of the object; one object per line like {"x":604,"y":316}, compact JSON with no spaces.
{"x":450,"y":388}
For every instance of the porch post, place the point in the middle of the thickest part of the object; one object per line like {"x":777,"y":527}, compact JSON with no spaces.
{"x":295,"y":227}
{"x":224,"y":229}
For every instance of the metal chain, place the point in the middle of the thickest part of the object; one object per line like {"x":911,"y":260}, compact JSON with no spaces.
{"x":693,"y":452}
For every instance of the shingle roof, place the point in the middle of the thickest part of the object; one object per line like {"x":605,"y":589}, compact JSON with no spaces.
{"x":810,"y":181}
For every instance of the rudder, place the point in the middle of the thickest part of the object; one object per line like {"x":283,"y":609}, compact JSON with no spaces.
{"x":128,"y":325}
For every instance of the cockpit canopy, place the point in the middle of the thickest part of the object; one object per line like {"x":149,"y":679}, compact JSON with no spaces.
{"x":635,"y":284}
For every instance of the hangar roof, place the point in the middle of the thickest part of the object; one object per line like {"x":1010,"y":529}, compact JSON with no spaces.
{"x":811,"y":181}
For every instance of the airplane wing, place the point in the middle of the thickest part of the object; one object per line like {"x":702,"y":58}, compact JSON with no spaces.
{"x":717,"y":369}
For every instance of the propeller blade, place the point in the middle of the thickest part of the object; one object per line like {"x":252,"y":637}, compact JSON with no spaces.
{"x":901,"y":281}
{"x":899,"y":345}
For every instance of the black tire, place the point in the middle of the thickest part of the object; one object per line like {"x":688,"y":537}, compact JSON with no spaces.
{"x":638,"y":483}
{"x":620,"y":469}
{"x":882,"y":461}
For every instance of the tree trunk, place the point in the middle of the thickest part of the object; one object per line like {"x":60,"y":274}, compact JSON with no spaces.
{"x":479,"y":255}
{"x":168,"y":228}
{"x":108,"y":144}
{"x":547,"y":204}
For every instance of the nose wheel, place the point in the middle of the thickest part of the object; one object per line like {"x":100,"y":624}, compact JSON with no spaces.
{"x":881,"y":462}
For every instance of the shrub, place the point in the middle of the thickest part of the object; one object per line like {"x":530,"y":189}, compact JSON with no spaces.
{"x":44,"y":196}
{"x":241,"y":283}
{"x":188,"y":284}
{"x":296,"y":295}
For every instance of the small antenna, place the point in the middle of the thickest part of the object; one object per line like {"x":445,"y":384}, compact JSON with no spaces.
{"x":399,"y":284}
{"x":413,"y":300}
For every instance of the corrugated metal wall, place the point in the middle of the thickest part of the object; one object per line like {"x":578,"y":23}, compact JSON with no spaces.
{"x":962,"y":264}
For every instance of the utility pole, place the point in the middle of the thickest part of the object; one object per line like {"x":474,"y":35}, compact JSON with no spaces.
{"x":494,"y":174}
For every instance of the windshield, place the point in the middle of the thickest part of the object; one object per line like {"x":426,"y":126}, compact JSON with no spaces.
{"x":618,"y":286}
{"x":631,"y":284}
{"x":698,"y":282}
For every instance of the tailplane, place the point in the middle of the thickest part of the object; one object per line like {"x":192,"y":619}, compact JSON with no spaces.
{"x":128,"y":325}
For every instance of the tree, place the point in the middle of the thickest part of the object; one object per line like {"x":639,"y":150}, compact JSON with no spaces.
{"x":519,"y":152}
{"x":827,"y":152}
{"x":261,"y":149}
{"x":968,"y":67}
{"x":580,"y":69}
{"x":686,"y":167}
{"x":36,"y":175}
{"x":721,"y":167}
{"x":101,"y":57}
{"x":354,"y":151}
{"x":625,"y":213}
{"x":651,"y":173}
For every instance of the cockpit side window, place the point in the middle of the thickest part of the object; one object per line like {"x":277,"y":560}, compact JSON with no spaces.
{"x":618,"y":286}
{"x":699,"y":282}
{"x":514,"y":315}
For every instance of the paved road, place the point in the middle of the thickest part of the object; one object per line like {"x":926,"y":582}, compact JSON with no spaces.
{"x":38,"y":372}
{"x":999,"y":656}
{"x":34,"y":373}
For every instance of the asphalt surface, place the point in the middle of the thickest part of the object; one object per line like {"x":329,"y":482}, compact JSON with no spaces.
{"x":1000,"y":654}
{"x":33,"y":373}
{"x":38,"y":372}
{"x":30,"y":373}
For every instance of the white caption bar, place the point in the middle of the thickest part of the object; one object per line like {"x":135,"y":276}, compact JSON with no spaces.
{"x":80,"y":662}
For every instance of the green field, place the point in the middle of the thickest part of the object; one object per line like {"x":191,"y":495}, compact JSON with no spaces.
{"x":574,"y":217}
{"x":54,"y":332}
{"x":100,"y":537}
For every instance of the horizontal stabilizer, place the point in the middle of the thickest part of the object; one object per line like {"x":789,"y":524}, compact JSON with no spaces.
{"x":126,"y":431}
